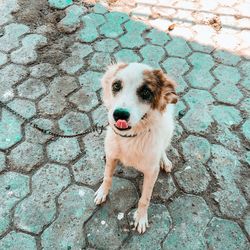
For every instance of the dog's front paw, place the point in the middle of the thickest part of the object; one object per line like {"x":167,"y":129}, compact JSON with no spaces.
{"x":101,"y":195}
{"x":140,"y":221}
{"x":166,"y":164}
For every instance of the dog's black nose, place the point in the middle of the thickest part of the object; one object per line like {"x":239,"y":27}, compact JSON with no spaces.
{"x":121,"y":114}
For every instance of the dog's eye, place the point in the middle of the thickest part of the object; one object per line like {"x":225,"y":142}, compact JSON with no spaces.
{"x":117,"y":86}
{"x":146,"y":94}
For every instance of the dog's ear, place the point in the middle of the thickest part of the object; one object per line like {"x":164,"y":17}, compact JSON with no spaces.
{"x":168,"y":86}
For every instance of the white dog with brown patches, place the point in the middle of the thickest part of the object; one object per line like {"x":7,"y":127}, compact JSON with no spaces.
{"x":140,"y":113}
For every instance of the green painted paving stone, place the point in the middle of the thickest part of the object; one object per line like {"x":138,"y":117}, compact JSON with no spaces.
{"x":72,"y":19}
{"x":10,"y":130}
{"x":246,"y":83}
{"x":245,"y":68}
{"x":72,"y":65}
{"x":126,"y":55}
{"x":178,"y":131}
{"x":74,"y":123}
{"x":80,"y":50}
{"x":63,"y":150}
{"x":246,"y":129}
{"x":89,"y":168}
{"x":201,"y":48}
{"x":100,"y":61}
{"x":93,"y":19}
{"x":160,"y":225}
{"x":3,"y":58}
{"x":226,"y":115}
{"x":14,"y":239}
{"x":178,"y":47}
{"x":31,"y":88}
{"x":247,"y":222}
{"x":200,"y":79}
{"x":2,"y":161}
{"x":90,"y":81}
{"x":226,"y":57}
{"x":218,"y":232}
{"x":245,"y":106}
{"x":100,"y":9}
{"x":181,"y":84}
{"x":39,"y":209}
{"x":226,"y":168}
{"x":13,"y":187}
{"x":196,"y":148}
{"x":84,"y":100}
{"x":12,"y":33}
{"x":100,"y":116}
{"x":25,"y":108}
{"x":105,"y":45}
{"x":175,"y":66}
{"x":179,"y":108}
{"x":190,"y":215}
{"x":116,"y":17}
{"x":247,"y":157}
{"x":193,"y":177}
{"x":227,"y":74}
{"x":43,"y":70}
{"x":227,"y":93}
{"x":60,"y":4}
{"x":8,"y":7}
{"x":75,"y":206}
{"x":152,"y":55}
{"x":157,"y":37}
{"x":26,"y":156}
{"x":201,"y":61}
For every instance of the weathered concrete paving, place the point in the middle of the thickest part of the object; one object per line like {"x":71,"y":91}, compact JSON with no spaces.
{"x":52,"y":55}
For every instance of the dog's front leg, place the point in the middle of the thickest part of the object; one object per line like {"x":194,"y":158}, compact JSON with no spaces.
{"x":103,"y":190}
{"x":141,"y":214}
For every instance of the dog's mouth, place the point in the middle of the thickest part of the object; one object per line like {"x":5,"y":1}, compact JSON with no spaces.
{"x":122,"y":125}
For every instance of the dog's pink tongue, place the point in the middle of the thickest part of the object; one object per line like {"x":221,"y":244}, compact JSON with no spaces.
{"x":121,"y":124}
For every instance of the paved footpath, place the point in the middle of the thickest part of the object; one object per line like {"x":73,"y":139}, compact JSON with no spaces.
{"x":52,"y":55}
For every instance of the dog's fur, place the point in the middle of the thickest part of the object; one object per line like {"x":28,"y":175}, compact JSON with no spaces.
{"x":151,"y":126}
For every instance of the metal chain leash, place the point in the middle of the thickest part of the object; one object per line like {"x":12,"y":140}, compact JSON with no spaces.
{"x":92,"y":129}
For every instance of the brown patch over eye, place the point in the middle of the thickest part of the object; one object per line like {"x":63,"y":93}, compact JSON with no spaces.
{"x":162,"y":87}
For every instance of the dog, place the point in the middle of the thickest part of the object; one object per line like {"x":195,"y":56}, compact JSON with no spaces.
{"x":140,"y":103}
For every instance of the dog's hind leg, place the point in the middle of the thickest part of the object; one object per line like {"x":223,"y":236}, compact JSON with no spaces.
{"x":165,"y":163}
{"x":103,"y":190}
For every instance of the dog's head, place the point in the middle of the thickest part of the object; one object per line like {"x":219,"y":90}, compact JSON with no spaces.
{"x":132,"y":91}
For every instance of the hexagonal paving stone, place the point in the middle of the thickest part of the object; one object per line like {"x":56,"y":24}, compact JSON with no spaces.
{"x":225,"y":57}
{"x":74,"y":123}
{"x":178,"y":47}
{"x":63,"y":150}
{"x":175,"y":66}
{"x":31,"y":88}
{"x":14,"y":239}
{"x":227,"y":93}
{"x":246,"y":129}
{"x":196,"y":148}
{"x":27,"y":53}
{"x":226,"y":115}
{"x":226,"y":168}
{"x":91,"y":81}
{"x":12,"y":33}
{"x":72,"y":19}
{"x":23,"y":107}
{"x":217,"y":233}
{"x":72,"y":65}
{"x":106,"y":45}
{"x":60,"y":4}
{"x":80,"y":50}
{"x":100,"y":116}
{"x":201,"y":61}
{"x":26,"y":156}
{"x":84,"y":101}
{"x":200,"y":79}
{"x":100,"y":61}
{"x":190,"y":215}
{"x":157,"y":37}
{"x":133,"y":38}
{"x":89,"y":169}
{"x":10,"y":130}
{"x":152,"y":55}
{"x":39,"y":209}
{"x":8,"y":8}
{"x":193,"y":177}
{"x":160,"y":225}
{"x":13,"y":187}
{"x":247,"y":222}
{"x":245,"y":106}
{"x":66,"y":231}
{"x":43,"y":70}
{"x":99,"y":8}
{"x":245,"y":69}
{"x":227,"y":74}
{"x":126,"y":55}
{"x":2,"y":161}
{"x":112,"y":28}
{"x":3,"y":58}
